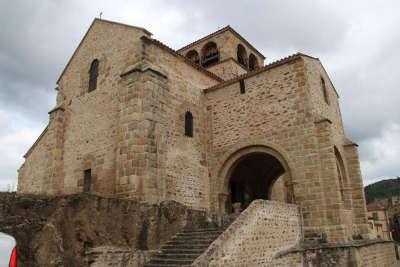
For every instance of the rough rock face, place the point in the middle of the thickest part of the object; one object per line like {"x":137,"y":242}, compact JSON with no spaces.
{"x":59,"y":231}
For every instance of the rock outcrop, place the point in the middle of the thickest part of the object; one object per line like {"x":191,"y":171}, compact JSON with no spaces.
{"x":63,"y":231}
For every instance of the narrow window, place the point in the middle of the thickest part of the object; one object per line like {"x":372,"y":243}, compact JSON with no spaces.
{"x":188,"y":124}
{"x":324,"y":90}
{"x":93,"y":73}
{"x":87,"y":180}
{"x":242,"y":86}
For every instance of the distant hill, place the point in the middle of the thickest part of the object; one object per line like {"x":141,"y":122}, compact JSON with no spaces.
{"x":382,"y":189}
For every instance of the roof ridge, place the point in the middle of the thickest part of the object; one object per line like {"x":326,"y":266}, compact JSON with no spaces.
{"x":123,"y":24}
{"x":186,"y":60}
{"x":226,"y":28}
{"x":203,"y":38}
{"x":86,"y":34}
{"x":254,"y":72}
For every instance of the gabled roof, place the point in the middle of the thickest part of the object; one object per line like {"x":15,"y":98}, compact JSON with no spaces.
{"x":257,"y":71}
{"x":376,"y":205}
{"x":267,"y":67}
{"x":226,"y":28}
{"x":84,"y":37}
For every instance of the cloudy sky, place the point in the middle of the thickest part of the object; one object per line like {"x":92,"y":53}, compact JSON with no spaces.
{"x":357,"y":41}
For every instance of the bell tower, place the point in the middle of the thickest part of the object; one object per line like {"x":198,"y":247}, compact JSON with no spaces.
{"x":225,"y":53}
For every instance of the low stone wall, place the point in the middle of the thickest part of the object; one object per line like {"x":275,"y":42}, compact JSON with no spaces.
{"x":268,"y":233}
{"x":261,"y":231}
{"x":379,"y":254}
{"x":361,"y":253}
{"x":85,"y":230}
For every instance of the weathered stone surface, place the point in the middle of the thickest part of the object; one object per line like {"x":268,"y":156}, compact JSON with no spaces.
{"x":260,"y":232}
{"x":60,"y":231}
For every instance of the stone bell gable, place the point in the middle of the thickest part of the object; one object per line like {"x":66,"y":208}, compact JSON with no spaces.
{"x":225,"y":53}
{"x":209,"y":126}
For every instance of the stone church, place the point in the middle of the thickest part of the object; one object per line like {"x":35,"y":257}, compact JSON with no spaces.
{"x":208,"y":125}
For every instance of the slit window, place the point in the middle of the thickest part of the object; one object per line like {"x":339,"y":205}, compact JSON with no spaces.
{"x":87,"y":180}
{"x":188,"y":124}
{"x":324,"y":90}
{"x":242,"y":86}
{"x":93,"y":74}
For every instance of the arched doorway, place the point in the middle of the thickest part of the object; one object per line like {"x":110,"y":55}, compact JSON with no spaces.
{"x":251,"y":178}
{"x":253,"y":172}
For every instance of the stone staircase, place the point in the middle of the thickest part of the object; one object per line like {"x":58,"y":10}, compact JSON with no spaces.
{"x":184,"y":247}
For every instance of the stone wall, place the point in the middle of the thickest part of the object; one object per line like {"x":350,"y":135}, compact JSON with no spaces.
{"x":282,"y":109}
{"x":256,"y":236}
{"x":352,"y":199}
{"x":362,"y":253}
{"x":228,"y":69}
{"x":34,"y":173}
{"x":90,"y":119}
{"x":275,"y":113}
{"x":155,"y":155}
{"x":380,"y":254}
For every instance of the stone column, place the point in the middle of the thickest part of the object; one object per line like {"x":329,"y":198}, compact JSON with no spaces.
{"x":56,"y":132}
{"x":138,"y":149}
{"x":356,"y":185}
{"x":335,"y":228}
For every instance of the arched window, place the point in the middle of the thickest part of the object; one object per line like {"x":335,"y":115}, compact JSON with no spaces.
{"x":340,"y":171}
{"x":324,"y":90}
{"x":210,"y":54}
{"x":253,"y":63}
{"x":188,"y":124}
{"x":242,"y":55}
{"x":93,"y":73}
{"x":193,"y":56}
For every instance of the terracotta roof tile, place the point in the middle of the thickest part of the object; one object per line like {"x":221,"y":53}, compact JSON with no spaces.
{"x":376,"y":205}
{"x":257,"y":71}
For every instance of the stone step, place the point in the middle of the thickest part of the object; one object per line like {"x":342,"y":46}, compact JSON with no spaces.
{"x":164,"y":265}
{"x":185,"y":246}
{"x":191,"y":256}
{"x":180,"y":262}
{"x":200,"y":235}
{"x":193,"y":239}
{"x":182,"y":251}
{"x":191,"y":242}
{"x":204,"y":230}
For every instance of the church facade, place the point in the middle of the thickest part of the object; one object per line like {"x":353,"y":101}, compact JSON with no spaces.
{"x":208,"y":125}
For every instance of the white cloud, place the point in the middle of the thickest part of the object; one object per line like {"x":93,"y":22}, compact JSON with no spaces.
{"x":382,"y":160}
{"x":15,"y":139}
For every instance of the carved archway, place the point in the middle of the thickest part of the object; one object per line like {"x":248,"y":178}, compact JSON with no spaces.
{"x":265,"y":166}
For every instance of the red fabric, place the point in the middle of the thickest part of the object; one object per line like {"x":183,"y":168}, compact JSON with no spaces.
{"x":13,"y":259}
